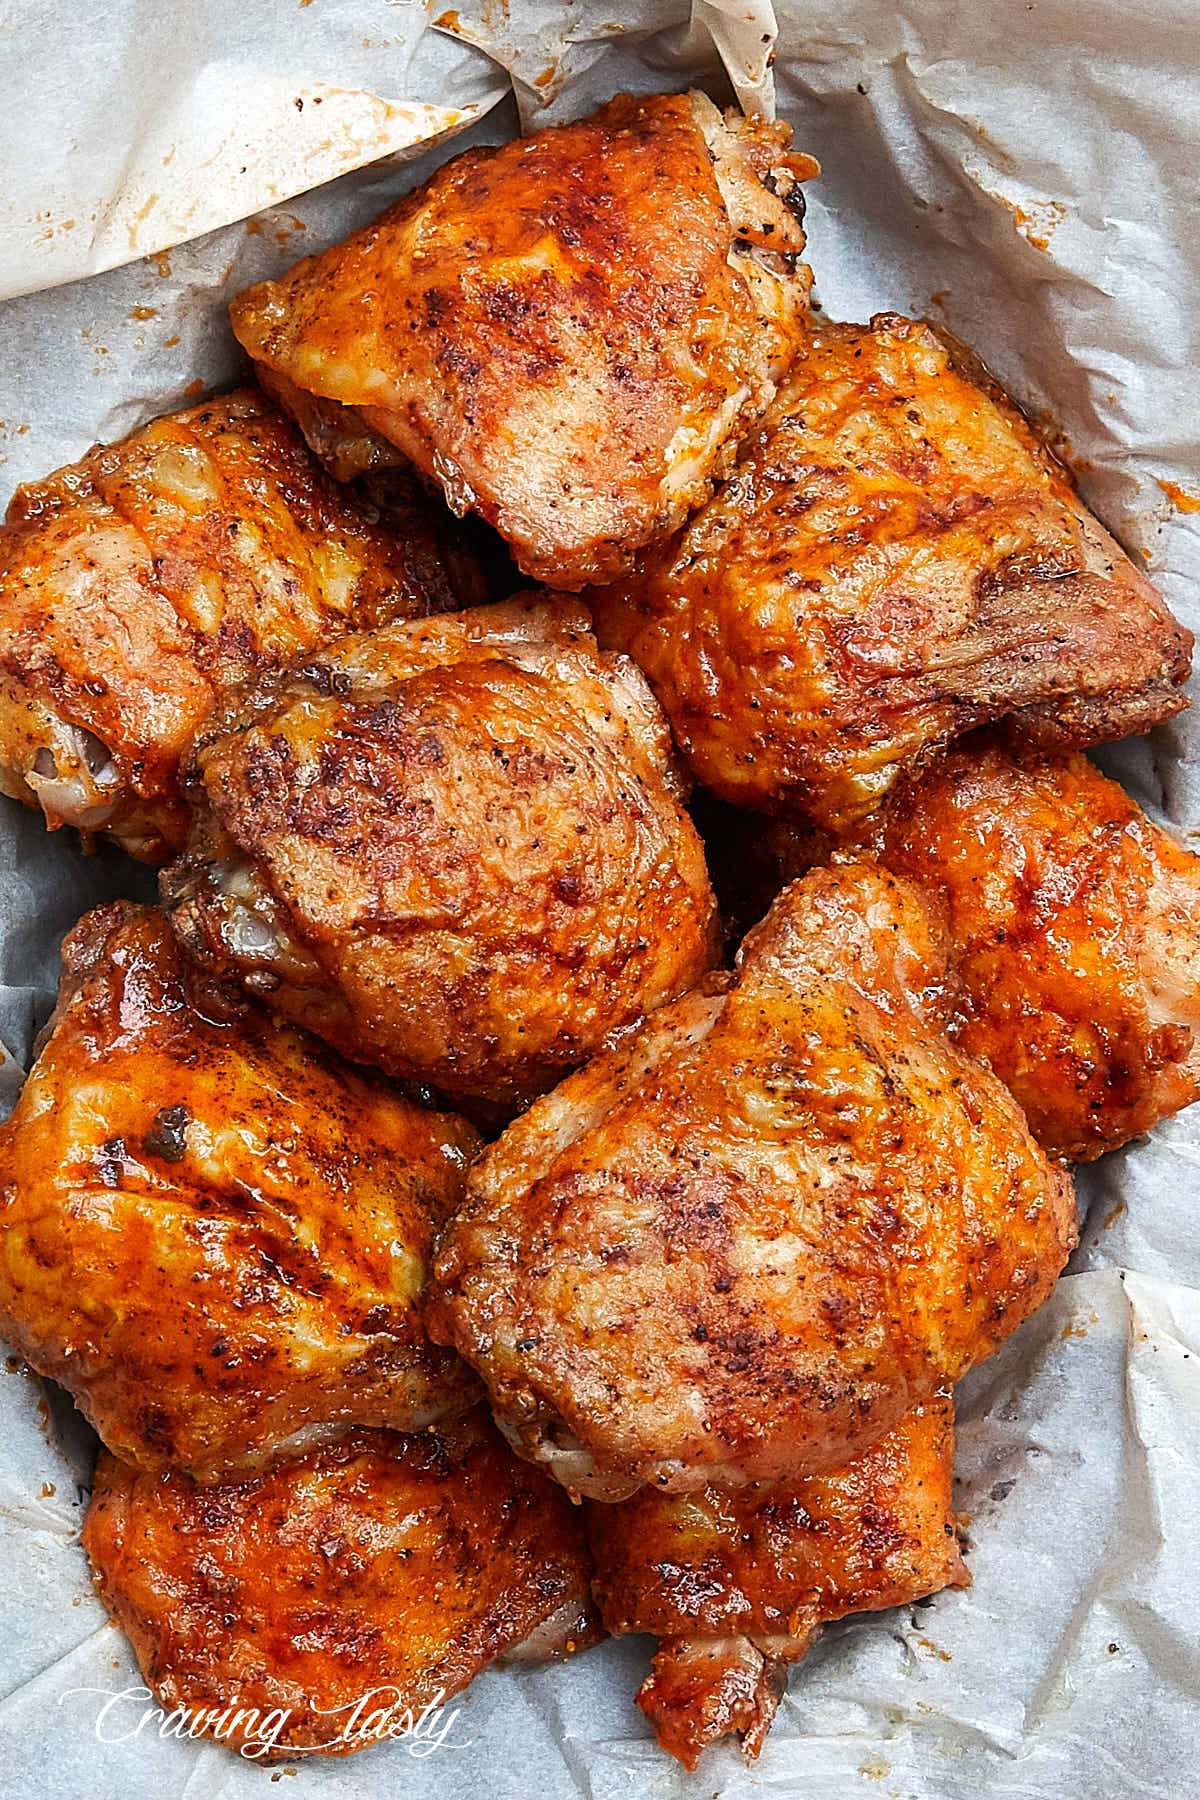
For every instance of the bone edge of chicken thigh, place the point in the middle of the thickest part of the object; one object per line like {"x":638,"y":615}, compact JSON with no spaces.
{"x":558,"y":1372}
{"x":1086,"y":718}
{"x":764,"y":254}
{"x":757,"y":183}
{"x":702,"y":1689}
{"x":571,"y":1628}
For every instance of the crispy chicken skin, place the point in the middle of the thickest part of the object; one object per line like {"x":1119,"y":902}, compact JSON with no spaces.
{"x":740,"y":1245}
{"x":211,"y":1233}
{"x":139,"y":584}
{"x":736,"y":1582}
{"x":570,"y":333}
{"x":1074,"y":923}
{"x":380,"y":1569}
{"x":895,"y":560}
{"x":455,"y":849}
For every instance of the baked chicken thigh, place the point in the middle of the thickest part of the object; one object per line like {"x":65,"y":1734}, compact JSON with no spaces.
{"x":895,"y":560}
{"x":141,"y":583}
{"x":211,"y":1233}
{"x":570,"y":333}
{"x":1074,"y":925}
{"x":326,"y":1604}
{"x":455,"y":849}
{"x":740,"y":1245}
{"x":736,"y":1582}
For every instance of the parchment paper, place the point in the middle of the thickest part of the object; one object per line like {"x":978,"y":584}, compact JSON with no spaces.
{"x":1026,"y":172}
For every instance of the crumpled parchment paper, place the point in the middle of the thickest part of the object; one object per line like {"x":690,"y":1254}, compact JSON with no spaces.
{"x":1025,"y":171}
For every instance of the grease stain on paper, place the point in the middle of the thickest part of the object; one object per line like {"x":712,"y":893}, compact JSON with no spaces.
{"x":1038,"y":221}
{"x":1180,"y":498}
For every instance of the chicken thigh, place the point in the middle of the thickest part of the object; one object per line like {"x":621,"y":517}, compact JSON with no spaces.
{"x":138,"y":585}
{"x":741,"y":1244}
{"x":1074,"y":924}
{"x":570,"y":332}
{"x":455,"y":849}
{"x":895,"y":560}
{"x":211,"y":1233}
{"x":323,"y":1606}
{"x":736,"y":1582}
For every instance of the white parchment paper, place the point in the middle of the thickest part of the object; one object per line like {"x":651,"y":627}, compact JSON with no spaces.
{"x":1026,"y":171}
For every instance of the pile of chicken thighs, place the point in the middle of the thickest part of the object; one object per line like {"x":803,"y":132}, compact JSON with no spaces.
{"x":462,"y":1245}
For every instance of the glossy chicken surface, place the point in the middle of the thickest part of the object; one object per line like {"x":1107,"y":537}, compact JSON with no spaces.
{"x":740,"y":1245}
{"x":895,"y":560}
{"x":455,"y":849}
{"x":570,"y":333}
{"x":313,"y":1607}
{"x":735,"y":1582}
{"x":139,"y":584}
{"x":212,"y":1234}
{"x":1074,"y":924}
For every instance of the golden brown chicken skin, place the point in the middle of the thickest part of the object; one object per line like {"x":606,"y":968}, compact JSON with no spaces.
{"x":141,"y":583}
{"x":735,"y":1582}
{"x":895,"y":560}
{"x":742,"y":1244}
{"x":211,"y":1233}
{"x":455,"y":849}
{"x":1074,"y":923}
{"x":570,"y":333}
{"x":322,"y":1605}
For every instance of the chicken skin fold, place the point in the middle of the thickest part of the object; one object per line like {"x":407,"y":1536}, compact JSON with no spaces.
{"x":212,"y":1234}
{"x":456,"y":849}
{"x":1074,"y":925}
{"x":742,"y":1243}
{"x":736,"y":1582}
{"x":895,"y":560}
{"x":141,"y":583}
{"x":570,"y":333}
{"x":325,"y":1604}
